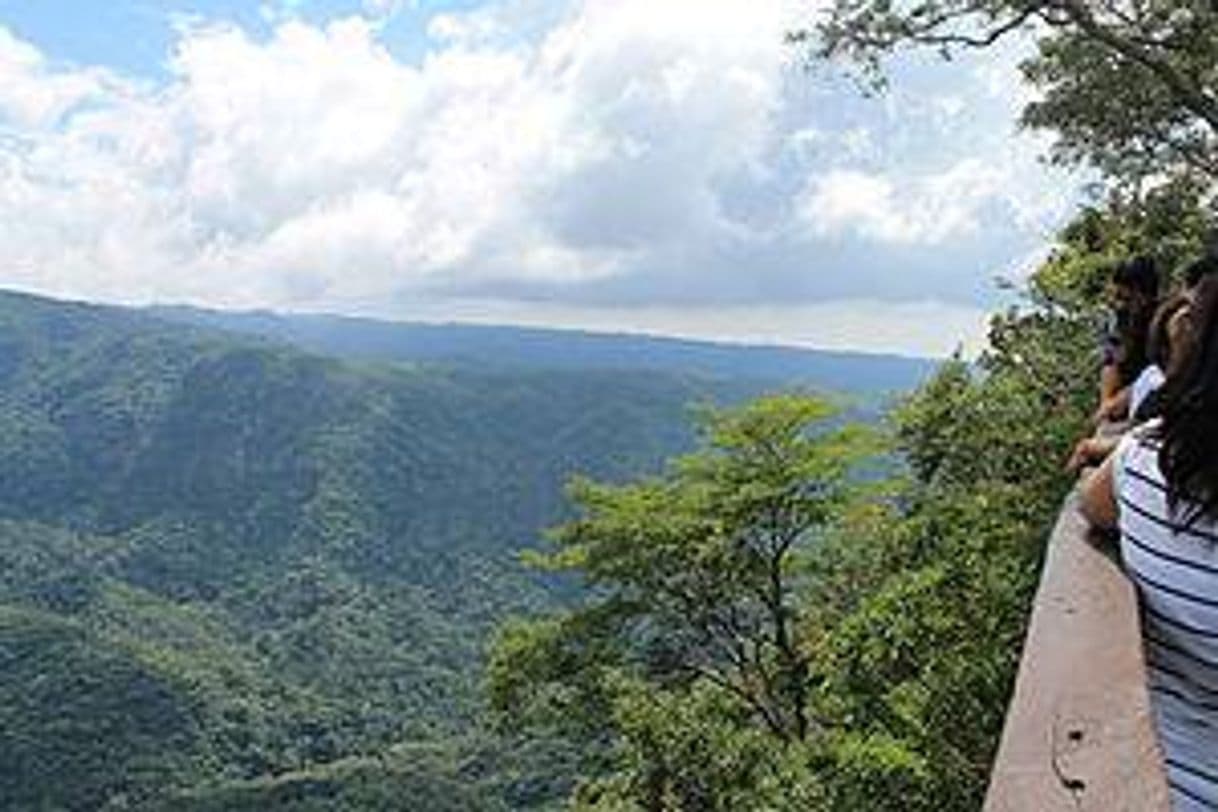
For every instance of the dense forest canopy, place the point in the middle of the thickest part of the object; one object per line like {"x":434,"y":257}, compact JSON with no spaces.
{"x":238,"y":575}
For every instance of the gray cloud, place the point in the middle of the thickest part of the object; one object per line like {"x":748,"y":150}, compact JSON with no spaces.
{"x":630,"y":155}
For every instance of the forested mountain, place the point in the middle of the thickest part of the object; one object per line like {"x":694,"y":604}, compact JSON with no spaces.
{"x":531,"y":348}
{"x":236,"y":574}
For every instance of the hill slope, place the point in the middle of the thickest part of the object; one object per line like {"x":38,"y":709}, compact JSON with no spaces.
{"x":234,"y":574}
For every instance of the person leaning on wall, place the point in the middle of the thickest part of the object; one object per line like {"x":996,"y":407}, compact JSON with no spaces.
{"x":1159,"y":489}
{"x":1169,"y":331}
{"x":1132,"y":292}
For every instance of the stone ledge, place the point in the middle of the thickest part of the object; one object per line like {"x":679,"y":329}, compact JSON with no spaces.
{"x":1078,"y":732}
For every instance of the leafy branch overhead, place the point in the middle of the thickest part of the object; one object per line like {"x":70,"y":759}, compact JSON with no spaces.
{"x":1128,"y":86}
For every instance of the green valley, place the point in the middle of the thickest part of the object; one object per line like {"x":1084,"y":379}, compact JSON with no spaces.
{"x":235,"y":574}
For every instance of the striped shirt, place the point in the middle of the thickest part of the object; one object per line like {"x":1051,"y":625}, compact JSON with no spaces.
{"x":1176,"y":574}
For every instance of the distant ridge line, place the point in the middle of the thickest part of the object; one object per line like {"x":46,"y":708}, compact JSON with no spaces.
{"x":191,"y":312}
{"x":509,"y":347}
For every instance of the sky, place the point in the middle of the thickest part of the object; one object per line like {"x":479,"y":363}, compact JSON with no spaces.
{"x":661,"y":166}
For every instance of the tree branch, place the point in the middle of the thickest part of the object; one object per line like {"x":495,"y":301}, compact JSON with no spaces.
{"x":1192,"y":98}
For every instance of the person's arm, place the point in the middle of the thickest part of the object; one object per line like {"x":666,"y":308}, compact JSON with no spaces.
{"x":1114,"y":398}
{"x":1089,"y":451}
{"x":1098,"y":495}
{"x":1110,"y":381}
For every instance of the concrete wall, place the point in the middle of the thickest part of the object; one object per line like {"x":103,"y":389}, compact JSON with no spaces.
{"x":1078,"y":733}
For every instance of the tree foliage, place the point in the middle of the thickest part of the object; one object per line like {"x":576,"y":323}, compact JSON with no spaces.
{"x":923,"y":650}
{"x":1129,"y":86}
{"x":686,"y":654}
{"x":237,"y":575}
{"x":906,"y":602}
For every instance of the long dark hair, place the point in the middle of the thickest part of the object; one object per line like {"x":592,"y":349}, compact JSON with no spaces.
{"x":1140,"y":276}
{"x":1188,"y":456}
{"x":1164,"y":351}
{"x":1159,"y":349}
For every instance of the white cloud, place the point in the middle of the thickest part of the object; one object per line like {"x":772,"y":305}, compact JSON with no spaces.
{"x":932,"y":209}
{"x":469,"y":28}
{"x":35,"y":95}
{"x":661,"y":147}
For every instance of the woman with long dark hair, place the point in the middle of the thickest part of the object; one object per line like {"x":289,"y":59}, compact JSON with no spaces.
{"x":1168,"y":329}
{"x":1133,"y":292}
{"x":1160,"y":489}
{"x":1165,"y":346}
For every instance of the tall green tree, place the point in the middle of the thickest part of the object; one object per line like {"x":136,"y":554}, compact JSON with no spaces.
{"x":685,"y":659}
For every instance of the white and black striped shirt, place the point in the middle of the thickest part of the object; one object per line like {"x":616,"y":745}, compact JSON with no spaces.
{"x":1176,"y":573}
